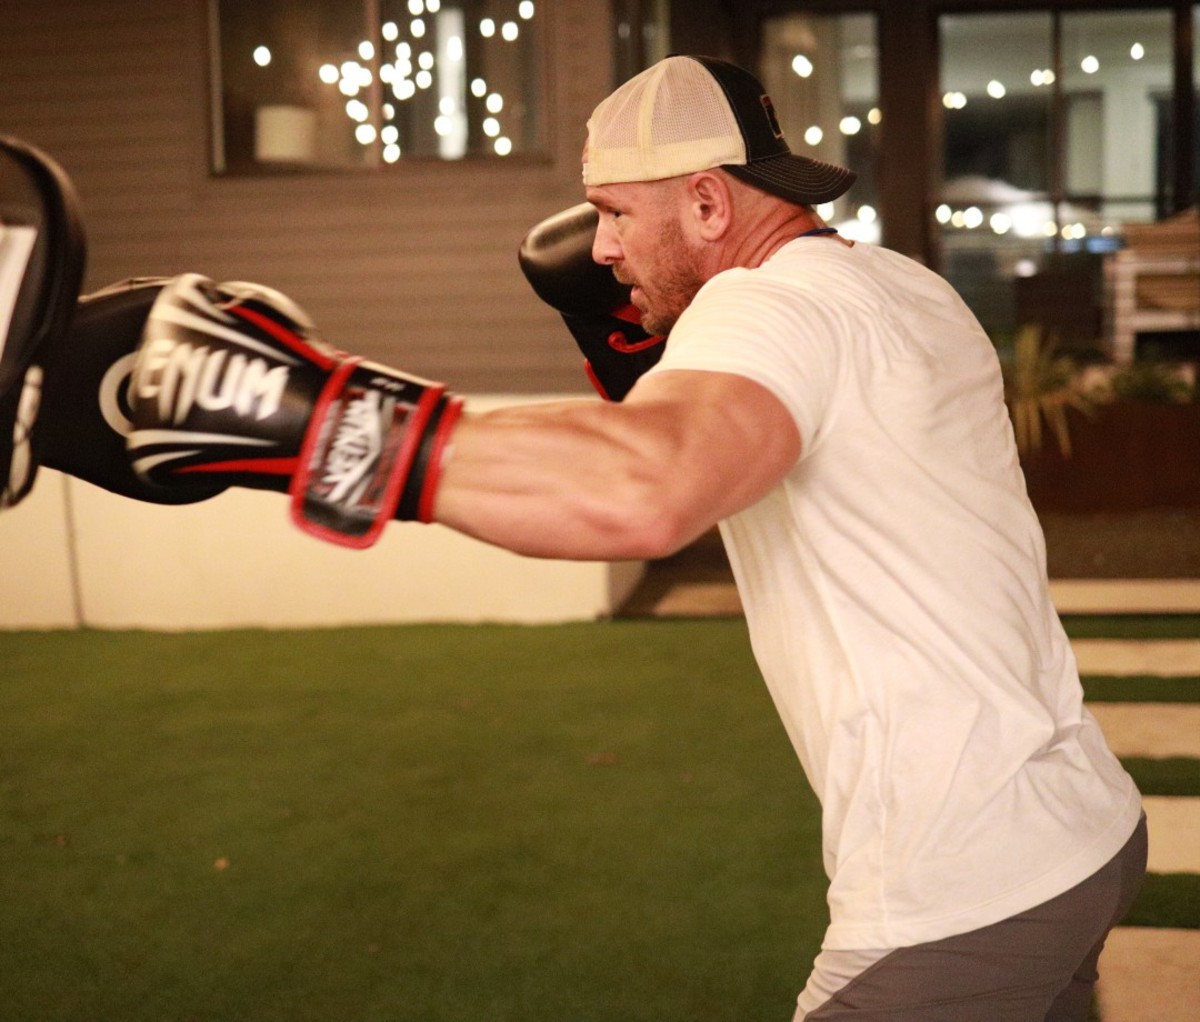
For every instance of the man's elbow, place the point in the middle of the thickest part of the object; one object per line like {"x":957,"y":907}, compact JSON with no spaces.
{"x":655,"y":526}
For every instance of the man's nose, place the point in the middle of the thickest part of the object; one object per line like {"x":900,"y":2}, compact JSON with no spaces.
{"x":606,"y":248}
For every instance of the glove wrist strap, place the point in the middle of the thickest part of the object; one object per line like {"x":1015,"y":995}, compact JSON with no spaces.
{"x":359,"y":449}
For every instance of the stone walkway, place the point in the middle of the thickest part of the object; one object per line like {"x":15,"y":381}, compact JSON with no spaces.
{"x":1149,"y":975}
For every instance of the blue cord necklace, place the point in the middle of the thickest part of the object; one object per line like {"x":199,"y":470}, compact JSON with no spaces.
{"x":818,"y":230}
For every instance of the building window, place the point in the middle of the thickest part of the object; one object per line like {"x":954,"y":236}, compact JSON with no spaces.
{"x":1054,"y":138}
{"x":822,"y":74}
{"x":368,"y":83}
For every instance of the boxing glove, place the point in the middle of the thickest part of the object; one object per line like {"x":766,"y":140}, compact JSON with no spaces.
{"x":84,"y":420}
{"x":231,"y":384}
{"x":556,"y":258}
{"x":42,"y":254}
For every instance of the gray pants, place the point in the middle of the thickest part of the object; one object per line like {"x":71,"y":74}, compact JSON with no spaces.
{"x":1039,"y":966}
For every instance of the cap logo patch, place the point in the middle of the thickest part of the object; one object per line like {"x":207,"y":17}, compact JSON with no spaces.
{"x":769,"y":108}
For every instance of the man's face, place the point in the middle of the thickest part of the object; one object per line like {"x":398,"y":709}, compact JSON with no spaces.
{"x":641,"y":236}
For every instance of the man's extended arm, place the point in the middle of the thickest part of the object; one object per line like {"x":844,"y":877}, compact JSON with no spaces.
{"x":598,"y":481}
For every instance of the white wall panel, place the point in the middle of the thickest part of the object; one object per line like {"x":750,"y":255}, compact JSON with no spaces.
{"x":74,"y":554}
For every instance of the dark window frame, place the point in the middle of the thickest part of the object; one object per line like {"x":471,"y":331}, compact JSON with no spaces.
{"x":910,"y":158}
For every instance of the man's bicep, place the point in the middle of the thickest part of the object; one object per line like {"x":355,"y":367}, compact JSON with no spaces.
{"x":732,"y":439}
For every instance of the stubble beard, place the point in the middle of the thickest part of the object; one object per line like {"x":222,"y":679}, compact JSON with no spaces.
{"x":675,"y":281}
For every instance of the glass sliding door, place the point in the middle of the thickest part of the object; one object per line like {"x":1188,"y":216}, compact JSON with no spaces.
{"x":1053,"y":141}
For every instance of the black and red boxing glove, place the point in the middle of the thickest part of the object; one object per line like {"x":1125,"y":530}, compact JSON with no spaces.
{"x":232,"y":385}
{"x":556,"y":258}
{"x":85,"y":410}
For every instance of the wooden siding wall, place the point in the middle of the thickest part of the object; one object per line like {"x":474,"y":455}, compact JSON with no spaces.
{"x":415,"y":266}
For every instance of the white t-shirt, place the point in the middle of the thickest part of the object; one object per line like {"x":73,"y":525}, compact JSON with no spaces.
{"x":896,"y":595}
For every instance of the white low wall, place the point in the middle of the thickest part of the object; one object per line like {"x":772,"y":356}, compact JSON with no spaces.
{"x":75,"y":555}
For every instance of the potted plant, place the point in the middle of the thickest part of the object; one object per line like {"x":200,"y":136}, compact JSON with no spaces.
{"x":1128,"y":436}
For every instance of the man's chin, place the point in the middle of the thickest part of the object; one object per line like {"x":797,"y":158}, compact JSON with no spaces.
{"x":654,"y":322}
{"x":658,"y":326}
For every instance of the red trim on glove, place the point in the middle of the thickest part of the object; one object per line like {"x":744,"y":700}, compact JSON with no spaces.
{"x":286,"y":337}
{"x":628,"y":312}
{"x":595,"y":380}
{"x":617,"y":341}
{"x":433,"y":470}
{"x":258,"y":466}
{"x":395,"y":462}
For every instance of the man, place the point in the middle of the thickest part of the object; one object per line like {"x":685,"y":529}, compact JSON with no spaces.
{"x":839,"y":412}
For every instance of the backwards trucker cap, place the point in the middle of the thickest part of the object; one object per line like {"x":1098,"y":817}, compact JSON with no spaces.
{"x":686,"y":114}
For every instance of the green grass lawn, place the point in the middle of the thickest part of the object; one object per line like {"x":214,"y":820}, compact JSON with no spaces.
{"x":597,"y":822}
{"x":1132,"y":626}
{"x":1140,"y":689}
{"x":582,"y":823}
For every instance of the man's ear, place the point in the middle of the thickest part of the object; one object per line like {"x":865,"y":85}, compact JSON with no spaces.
{"x":710,"y":203}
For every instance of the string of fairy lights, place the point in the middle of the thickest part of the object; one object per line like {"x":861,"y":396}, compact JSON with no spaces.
{"x":423,"y":54}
